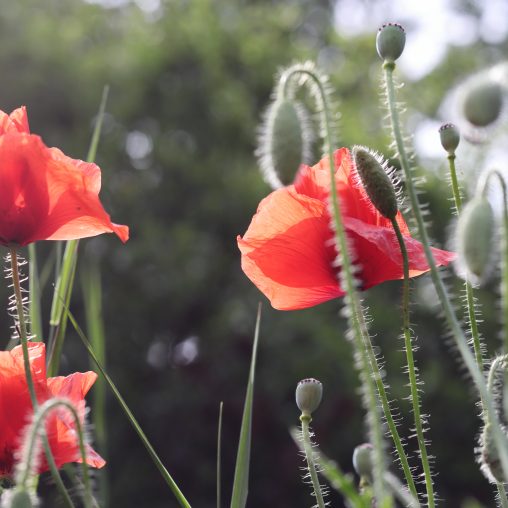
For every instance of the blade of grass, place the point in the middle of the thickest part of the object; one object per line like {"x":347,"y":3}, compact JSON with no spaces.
{"x":92,"y":296}
{"x":241,"y":479}
{"x":151,"y":452}
{"x":35,"y":294}
{"x":219,"y":448}
{"x":66,"y":275}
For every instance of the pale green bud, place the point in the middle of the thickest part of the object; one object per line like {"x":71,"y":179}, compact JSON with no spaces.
{"x":483,"y":103}
{"x":390,"y":41}
{"x":308,"y":395}
{"x":474,"y":237}
{"x":363,"y":461}
{"x":450,"y":137}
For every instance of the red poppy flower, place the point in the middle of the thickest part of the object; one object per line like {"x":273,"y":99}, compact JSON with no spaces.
{"x":45,"y":195}
{"x":16,"y":408}
{"x":289,"y":251}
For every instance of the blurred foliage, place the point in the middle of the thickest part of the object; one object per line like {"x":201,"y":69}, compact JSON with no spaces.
{"x":189,"y":82}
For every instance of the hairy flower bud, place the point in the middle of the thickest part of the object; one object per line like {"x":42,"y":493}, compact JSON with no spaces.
{"x":362,"y":461}
{"x":17,"y":498}
{"x":489,"y":457}
{"x":374,"y":176}
{"x":450,"y":137}
{"x":285,"y":141}
{"x":474,"y":237}
{"x":308,"y":395}
{"x":483,"y":102}
{"x":390,"y":41}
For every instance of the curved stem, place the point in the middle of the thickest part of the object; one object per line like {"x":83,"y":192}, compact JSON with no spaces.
{"x":23,"y":335}
{"x":38,"y":424}
{"x":444,"y":300}
{"x":356,"y":317}
{"x":413,"y":382}
{"x":309,"y":455}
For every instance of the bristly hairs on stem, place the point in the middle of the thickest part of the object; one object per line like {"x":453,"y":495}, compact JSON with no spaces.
{"x":30,"y":454}
{"x":12,"y":306}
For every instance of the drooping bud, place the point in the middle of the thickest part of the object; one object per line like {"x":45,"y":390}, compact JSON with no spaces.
{"x":363,"y":460}
{"x":483,"y":102}
{"x":390,"y":41}
{"x":373,"y":172}
{"x":308,"y":395}
{"x":285,"y":141}
{"x":450,"y":137}
{"x":17,"y":498}
{"x":474,"y":238}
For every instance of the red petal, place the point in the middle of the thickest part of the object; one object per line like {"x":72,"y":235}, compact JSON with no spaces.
{"x":47,"y":195}
{"x":279,"y":251}
{"x":17,"y":121}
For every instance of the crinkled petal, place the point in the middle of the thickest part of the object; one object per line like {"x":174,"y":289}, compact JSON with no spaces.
{"x":17,"y":121}
{"x":279,"y":251}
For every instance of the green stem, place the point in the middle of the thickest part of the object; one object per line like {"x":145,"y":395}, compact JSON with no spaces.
{"x":357,"y":319}
{"x":446,"y":305}
{"x":309,"y":455}
{"x":471,"y":307}
{"x":139,"y":431}
{"x":503,"y":500}
{"x":413,"y":382}
{"x":23,"y":336}
{"x":38,"y":427}
{"x":219,"y":454}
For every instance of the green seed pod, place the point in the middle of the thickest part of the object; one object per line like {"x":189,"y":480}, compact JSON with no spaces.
{"x":285,"y":141}
{"x":474,"y":238}
{"x":362,"y":461}
{"x":390,"y":41}
{"x":489,"y":459}
{"x":17,"y":498}
{"x":450,"y":137}
{"x":308,"y":395}
{"x":483,"y":102}
{"x":374,"y":176}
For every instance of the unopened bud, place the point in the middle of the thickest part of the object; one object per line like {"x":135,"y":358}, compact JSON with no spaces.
{"x":474,"y":237}
{"x":363,"y":461}
{"x":483,"y":103}
{"x":17,"y":498}
{"x":390,"y":41}
{"x":285,"y":141}
{"x":373,"y":173}
{"x":308,"y":395}
{"x":450,"y":137}
{"x":489,"y":457}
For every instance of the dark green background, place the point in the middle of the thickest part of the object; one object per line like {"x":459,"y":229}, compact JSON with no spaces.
{"x":195,"y":79}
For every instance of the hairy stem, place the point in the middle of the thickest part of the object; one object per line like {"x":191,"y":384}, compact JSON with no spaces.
{"x":23,"y":335}
{"x":413,"y":382}
{"x":457,"y":333}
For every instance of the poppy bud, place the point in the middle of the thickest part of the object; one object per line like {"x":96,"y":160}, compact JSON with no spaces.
{"x":374,"y":176}
{"x":490,"y":461}
{"x":362,"y":461}
{"x":390,"y":41}
{"x":450,"y":137}
{"x":483,"y":103}
{"x":474,"y":233}
{"x":285,"y":141}
{"x":17,"y":498}
{"x":308,"y":395}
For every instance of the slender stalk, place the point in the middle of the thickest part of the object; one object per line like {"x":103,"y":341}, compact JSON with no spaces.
{"x":23,"y":335}
{"x":446,"y":305}
{"x":503,"y":500}
{"x":139,"y":431}
{"x":37,"y":425}
{"x":413,"y":382}
{"x":471,"y":307}
{"x":309,"y":455}
{"x":368,"y":363}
